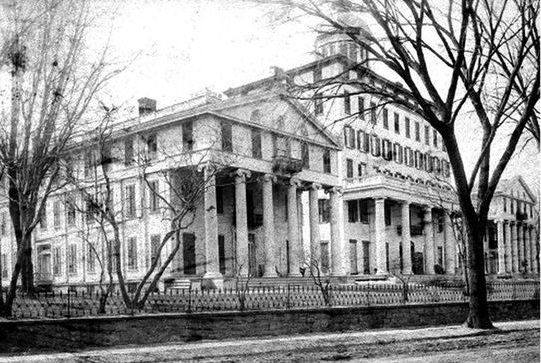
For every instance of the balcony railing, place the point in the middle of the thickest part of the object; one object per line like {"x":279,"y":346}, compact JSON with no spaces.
{"x":286,"y":165}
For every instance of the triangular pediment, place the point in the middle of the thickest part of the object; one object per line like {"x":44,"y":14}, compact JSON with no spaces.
{"x":517,"y":188}
{"x":279,"y":114}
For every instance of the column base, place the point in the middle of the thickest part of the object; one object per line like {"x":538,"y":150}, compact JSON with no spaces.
{"x":212,"y":281}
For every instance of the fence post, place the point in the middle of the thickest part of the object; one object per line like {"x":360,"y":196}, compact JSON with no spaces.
{"x":287,"y":301}
{"x":69,"y":301}
{"x":189,"y":299}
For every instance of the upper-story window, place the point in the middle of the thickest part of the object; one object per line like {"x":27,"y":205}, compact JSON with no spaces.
{"x":256,"y":144}
{"x":435,"y":138}
{"x":505,"y":204}
{"x":89,"y":163}
{"x":128,"y":151}
{"x":327,"y":161}
{"x":317,"y":74}
{"x":375,"y":147}
{"x":417,"y":131}
{"x":373,"y":115}
{"x":227,"y":136}
{"x":396,"y":123}
{"x":349,"y":137}
{"x":397,"y":153}
{"x":129,"y":201}
{"x":347,"y":103}
{"x":70,"y":210}
{"x":419,"y":160}
{"x":56,"y":214}
{"x":385,"y":119}
{"x":427,"y":135}
{"x":407,"y":127}
{"x":387,"y":149}
{"x":428,"y":163}
{"x":318,"y":104}
{"x":361,"y":108}
{"x":324,"y":209}
{"x":187,"y":136}
{"x":349,"y":168}
{"x":153,"y":196}
{"x":152,"y":146}
{"x":361,"y":169}
{"x":305,"y":155}
{"x":43,"y":217}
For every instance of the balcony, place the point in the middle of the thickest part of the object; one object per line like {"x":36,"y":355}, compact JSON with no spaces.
{"x":415,"y":230}
{"x":286,"y":165}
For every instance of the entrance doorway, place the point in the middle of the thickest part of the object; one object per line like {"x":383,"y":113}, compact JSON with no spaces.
{"x":188,"y":240}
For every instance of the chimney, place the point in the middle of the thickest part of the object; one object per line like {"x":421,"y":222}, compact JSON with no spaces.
{"x":146,"y":105}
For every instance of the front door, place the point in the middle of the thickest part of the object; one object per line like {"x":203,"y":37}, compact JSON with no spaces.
{"x":188,"y":240}
{"x":366,"y":257}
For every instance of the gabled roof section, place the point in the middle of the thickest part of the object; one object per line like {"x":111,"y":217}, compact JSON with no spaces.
{"x":513,"y":184}
{"x":276,"y":111}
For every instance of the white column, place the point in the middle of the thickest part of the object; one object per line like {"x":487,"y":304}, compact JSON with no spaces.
{"x":241,"y":222}
{"x":450,"y":244}
{"x":501,"y":247}
{"x":314,"y":223}
{"x":406,"y":239}
{"x":533,"y":248}
{"x":527,"y":249}
{"x":268,"y":226}
{"x":514,"y":247}
{"x":429,"y":242}
{"x":211,"y":224}
{"x":508,"y":247}
{"x":337,"y":226}
{"x":520,"y":243}
{"x":381,"y":237}
{"x":293,"y":227}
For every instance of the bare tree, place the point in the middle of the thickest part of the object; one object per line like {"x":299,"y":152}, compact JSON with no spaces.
{"x":474,"y":60}
{"x":54,"y":80}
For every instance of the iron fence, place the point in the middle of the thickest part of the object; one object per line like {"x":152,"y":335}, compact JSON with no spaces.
{"x":74,"y":304}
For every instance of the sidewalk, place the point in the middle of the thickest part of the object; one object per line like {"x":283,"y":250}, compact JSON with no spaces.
{"x":267,"y":348}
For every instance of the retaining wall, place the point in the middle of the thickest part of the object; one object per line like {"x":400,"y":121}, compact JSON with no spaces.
{"x":80,"y":333}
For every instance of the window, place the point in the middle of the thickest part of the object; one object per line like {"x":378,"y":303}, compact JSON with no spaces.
{"x":512,"y":206}
{"x":407,"y":127}
{"x":446,"y":168}
{"x":154,"y":248}
{"x":72,"y":259}
{"x":347,"y":103}
{"x":396,"y":123}
{"x":353,"y":211}
{"x":43,"y":217}
{"x":435,"y":137}
{"x":387,"y":212}
{"x":361,"y":108}
{"x":305,"y":155}
{"x":505,"y":204}
{"x":375,"y":147}
{"x":360,"y":135}
{"x":373,"y":115}
{"x":428,"y":163}
{"x":427,"y":135}
{"x":317,"y":74}
{"x":4,"y":263}
{"x":387,"y":151}
{"x":363,"y":209}
{"x":91,"y":258}
{"x":417,"y":131}
{"x":220,"y":199}
{"x":349,"y":137}
{"x":349,"y":168}
{"x":3,"y":225}
{"x":132,"y":253}
{"x":361,"y":169}
{"x":440,"y":255}
{"x":128,"y":151}
{"x":418,"y":160}
{"x":152,"y":147}
{"x":153,"y":196}
{"x":327,"y":161}
{"x":56,"y":214}
{"x":436,"y":165}
{"x":129,"y":201}
{"x":89,"y":163}
{"x":70,"y":210}
{"x":227,"y":142}
{"x":397,"y":153}
{"x":187,"y":136}
{"x":57,"y":261}
{"x":318,"y":104}
{"x":385,"y":119}
{"x":324,"y":210}
{"x":366,"y":142}
{"x":256,"y":144}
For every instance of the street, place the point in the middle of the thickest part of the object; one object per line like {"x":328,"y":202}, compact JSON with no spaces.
{"x":511,"y":342}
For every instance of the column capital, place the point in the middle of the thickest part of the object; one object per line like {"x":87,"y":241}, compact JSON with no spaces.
{"x":333,"y":190}
{"x":405,"y":202}
{"x":206,"y":167}
{"x":269,"y":178}
{"x":294,"y":182}
{"x":242,"y":173}
{"x":315,"y":186}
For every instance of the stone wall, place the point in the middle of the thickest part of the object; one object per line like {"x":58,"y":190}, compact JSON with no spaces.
{"x":80,"y":333}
